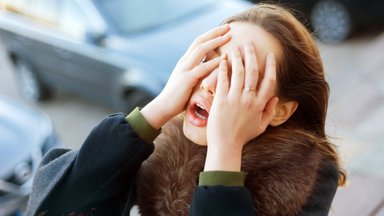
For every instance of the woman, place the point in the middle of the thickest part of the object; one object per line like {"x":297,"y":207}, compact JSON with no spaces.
{"x":253,"y":92}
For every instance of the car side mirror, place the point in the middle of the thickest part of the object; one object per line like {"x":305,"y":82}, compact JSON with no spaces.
{"x":96,"y":38}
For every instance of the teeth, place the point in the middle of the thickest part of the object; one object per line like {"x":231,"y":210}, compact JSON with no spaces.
{"x":200,"y":116}
{"x":200,"y":106}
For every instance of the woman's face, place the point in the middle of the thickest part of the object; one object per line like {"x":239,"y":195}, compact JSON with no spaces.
{"x":197,"y":109}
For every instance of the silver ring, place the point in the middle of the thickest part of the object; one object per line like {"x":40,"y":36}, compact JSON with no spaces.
{"x":248,"y":89}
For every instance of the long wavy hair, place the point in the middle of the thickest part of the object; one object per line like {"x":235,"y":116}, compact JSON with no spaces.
{"x":300,"y":77}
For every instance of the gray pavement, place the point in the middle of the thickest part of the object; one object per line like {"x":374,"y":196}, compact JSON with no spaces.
{"x":355,"y":122}
{"x":355,"y":70}
{"x":357,"y":107}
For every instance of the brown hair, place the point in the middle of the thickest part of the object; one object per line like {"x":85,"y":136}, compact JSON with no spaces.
{"x":300,"y":76}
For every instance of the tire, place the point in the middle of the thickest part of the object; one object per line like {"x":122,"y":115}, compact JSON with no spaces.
{"x":331,"y":21}
{"x":134,"y":97}
{"x":29,"y":84}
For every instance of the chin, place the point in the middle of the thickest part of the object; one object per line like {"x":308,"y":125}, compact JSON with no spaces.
{"x":197,"y":135}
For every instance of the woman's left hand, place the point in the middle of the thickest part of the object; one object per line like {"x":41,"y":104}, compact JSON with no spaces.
{"x":241,"y":109}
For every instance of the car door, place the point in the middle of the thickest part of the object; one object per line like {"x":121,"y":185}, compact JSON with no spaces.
{"x":89,"y":69}
{"x":27,"y":32}
{"x":43,"y":38}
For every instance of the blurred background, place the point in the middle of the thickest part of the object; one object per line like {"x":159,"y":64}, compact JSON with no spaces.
{"x":64,"y":65}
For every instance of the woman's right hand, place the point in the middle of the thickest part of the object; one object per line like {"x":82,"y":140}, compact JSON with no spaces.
{"x":189,"y":69}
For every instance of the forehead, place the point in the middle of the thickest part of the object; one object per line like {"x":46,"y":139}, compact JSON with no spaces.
{"x":264,"y":42}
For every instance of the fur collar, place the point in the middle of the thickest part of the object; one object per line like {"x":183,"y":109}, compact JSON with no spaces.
{"x":280,"y":177}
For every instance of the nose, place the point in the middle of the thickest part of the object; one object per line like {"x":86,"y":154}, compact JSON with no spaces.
{"x":208,"y":84}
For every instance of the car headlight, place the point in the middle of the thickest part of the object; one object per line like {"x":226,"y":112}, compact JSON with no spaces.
{"x":22,"y":172}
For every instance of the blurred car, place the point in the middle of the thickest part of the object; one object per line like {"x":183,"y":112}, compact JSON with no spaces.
{"x":26,"y":134}
{"x":118,"y":52}
{"x":333,"y":21}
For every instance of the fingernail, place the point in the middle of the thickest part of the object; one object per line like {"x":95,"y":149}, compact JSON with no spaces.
{"x":223,"y":56}
{"x":270,"y":58}
{"x":223,"y":63}
{"x":226,"y":36}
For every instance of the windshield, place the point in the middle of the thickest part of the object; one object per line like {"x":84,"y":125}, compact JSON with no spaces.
{"x":130,"y":16}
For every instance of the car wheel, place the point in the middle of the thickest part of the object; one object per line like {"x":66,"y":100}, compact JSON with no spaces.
{"x":29,"y":84}
{"x":134,"y":97}
{"x":331,"y":21}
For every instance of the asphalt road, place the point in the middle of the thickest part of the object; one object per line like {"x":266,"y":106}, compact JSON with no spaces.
{"x":355,"y":70}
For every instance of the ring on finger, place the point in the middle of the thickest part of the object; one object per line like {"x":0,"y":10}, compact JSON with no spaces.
{"x":248,"y":89}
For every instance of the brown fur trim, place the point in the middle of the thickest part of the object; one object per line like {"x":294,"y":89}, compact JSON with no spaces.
{"x":280,"y":176}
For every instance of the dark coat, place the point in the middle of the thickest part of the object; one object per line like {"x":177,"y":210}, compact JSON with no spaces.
{"x":286,"y":174}
{"x":100,"y":179}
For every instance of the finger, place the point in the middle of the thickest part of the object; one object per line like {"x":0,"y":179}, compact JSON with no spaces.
{"x":222,"y":79}
{"x":203,"y":69}
{"x":203,"y":49}
{"x":251,"y":67}
{"x":237,"y":79}
{"x":268,"y":84}
{"x":209,"y":35}
{"x":269,"y":111}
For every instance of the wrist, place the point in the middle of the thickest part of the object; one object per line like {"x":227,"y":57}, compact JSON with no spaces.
{"x":155,"y":114}
{"x":223,"y":158}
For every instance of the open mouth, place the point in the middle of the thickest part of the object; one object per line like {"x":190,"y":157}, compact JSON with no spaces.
{"x":198,"y":115}
{"x":200,"y":112}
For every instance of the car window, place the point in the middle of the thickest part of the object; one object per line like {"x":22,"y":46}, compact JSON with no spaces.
{"x":137,"y":15}
{"x":46,"y":11}
{"x":15,"y":6}
{"x":73,"y":20}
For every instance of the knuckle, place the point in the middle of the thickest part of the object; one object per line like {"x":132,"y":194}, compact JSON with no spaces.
{"x":190,"y":74}
{"x":251,"y":69}
{"x":248,"y":103}
{"x":198,"y":39}
{"x":200,"y":48}
{"x":238,"y":66}
{"x":215,"y":30}
{"x":240,"y":70}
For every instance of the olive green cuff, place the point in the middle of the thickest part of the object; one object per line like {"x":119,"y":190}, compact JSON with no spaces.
{"x":140,"y":125}
{"x":226,"y":178}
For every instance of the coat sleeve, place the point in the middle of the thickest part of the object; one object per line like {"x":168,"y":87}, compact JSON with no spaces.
{"x":100,"y":174}
{"x":222,"y":193}
{"x":222,"y":200}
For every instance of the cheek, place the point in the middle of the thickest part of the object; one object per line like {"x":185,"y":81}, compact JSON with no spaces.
{"x":195,"y":134}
